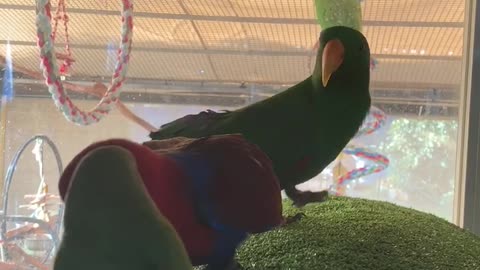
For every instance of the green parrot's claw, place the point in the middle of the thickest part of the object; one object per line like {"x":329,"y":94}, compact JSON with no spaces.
{"x":292,"y":219}
{"x":301,"y":198}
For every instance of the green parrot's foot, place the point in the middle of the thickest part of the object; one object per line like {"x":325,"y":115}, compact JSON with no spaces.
{"x":111,"y":223}
{"x":292,"y":219}
{"x":301,"y":198}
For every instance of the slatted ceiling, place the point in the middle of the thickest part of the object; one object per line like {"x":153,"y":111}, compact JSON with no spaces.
{"x":165,"y":33}
{"x":414,"y":10}
{"x":80,"y":30}
{"x":18,"y":2}
{"x":260,"y":68}
{"x":274,"y":8}
{"x":210,"y":7}
{"x":18,"y":29}
{"x":96,"y":64}
{"x":222,"y":35}
{"x":147,"y":65}
{"x":149,"y":32}
{"x":281,"y":37}
{"x":415,"y":41}
{"x":230,"y":67}
{"x":156,"y":6}
{"x":181,"y":66}
{"x":244,"y":42}
{"x":418,"y":71}
{"x":151,"y":6}
{"x":373,"y":10}
{"x":25,"y":56}
{"x":253,"y":36}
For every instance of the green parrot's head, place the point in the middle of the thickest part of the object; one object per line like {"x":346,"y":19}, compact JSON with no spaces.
{"x":343,"y":60}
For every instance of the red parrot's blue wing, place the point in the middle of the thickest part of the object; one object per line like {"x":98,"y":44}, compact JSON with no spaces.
{"x":201,"y":172}
{"x":223,"y":170}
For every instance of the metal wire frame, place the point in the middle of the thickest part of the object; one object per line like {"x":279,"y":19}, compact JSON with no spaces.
{"x":4,"y":217}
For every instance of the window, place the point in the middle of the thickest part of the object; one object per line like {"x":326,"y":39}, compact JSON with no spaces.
{"x":227,"y":54}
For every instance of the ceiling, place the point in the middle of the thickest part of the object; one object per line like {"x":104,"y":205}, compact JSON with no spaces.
{"x":418,"y":43}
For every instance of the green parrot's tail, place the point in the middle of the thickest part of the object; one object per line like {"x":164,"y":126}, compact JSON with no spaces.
{"x":111,"y":223}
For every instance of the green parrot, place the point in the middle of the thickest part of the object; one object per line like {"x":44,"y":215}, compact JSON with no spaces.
{"x":116,"y":228}
{"x":304,"y":128}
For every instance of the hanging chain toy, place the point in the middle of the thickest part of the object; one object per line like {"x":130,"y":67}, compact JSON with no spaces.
{"x":51,"y":71}
{"x":61,"y":15}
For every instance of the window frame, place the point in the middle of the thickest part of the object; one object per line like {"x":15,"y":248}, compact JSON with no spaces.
{"x":467,"y":186}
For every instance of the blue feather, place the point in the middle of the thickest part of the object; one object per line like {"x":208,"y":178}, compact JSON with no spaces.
{"x":201,"y":173}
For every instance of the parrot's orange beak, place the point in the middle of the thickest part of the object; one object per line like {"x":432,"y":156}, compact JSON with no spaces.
{"x":332,"y":58}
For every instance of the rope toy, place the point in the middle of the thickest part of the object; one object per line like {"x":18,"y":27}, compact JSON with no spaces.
{"x":376,"y":162}
{"x":374,"y":121}
{"x":381,"y":162}
{"x":51,"y":71}
{"x":61,"y":14}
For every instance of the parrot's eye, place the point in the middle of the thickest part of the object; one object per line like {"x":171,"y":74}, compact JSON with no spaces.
{"x":361,"y":47}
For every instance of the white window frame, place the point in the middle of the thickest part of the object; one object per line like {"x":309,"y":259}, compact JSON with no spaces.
{"x":467,"y":187}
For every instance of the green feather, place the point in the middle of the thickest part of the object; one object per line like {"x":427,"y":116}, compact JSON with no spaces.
{"x":303,"y":128}
{"x":116,"y":228}
{"x":332,"y":13}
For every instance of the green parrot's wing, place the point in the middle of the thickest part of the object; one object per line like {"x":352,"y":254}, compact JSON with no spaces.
{"x":192,"y":125}
{"x":339,"y":13}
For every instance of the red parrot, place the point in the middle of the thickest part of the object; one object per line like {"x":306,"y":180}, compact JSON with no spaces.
{"x":214,"y":191}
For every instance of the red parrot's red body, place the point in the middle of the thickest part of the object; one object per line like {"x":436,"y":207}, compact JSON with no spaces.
{"x":239,"y":184}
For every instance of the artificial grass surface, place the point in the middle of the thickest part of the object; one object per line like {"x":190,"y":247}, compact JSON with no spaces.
{"x":347,"y":233}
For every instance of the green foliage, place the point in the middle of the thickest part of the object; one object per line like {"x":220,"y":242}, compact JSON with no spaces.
{"x":422,"y":156}
{"x":420,"y":140}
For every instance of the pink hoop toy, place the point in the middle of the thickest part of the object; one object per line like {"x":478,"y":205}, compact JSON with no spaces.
{"x":51,"y":71}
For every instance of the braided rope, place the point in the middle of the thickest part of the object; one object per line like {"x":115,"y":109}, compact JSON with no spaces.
{"x":381,"y":162}
{"x":375,"y":119}
{"x":377,"y":162}
{"x":61,"y":14}
{"x":50,"y":69}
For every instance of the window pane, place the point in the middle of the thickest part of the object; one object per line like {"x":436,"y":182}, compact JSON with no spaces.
{"x":202,"y":55}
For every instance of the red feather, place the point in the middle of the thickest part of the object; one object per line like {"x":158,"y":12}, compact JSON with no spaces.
{"x":245,"y":193}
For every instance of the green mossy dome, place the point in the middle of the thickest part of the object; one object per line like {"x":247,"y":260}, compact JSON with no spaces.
{"x":347,"y":233}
